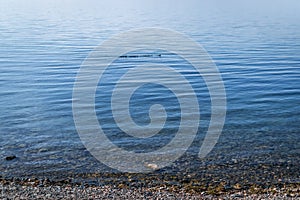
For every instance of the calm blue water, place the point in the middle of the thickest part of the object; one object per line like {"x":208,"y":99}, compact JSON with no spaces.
{"x":256,"y":47}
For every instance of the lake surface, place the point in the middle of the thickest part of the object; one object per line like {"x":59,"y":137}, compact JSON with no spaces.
{"x":255,"y":45}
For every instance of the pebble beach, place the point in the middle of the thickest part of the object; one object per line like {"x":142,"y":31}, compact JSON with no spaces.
{"x":32,"y":189}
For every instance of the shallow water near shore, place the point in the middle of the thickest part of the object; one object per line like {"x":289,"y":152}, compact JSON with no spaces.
{"x":257,"y":51}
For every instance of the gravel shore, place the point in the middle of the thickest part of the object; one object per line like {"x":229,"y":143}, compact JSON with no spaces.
{"x":35,"y":189}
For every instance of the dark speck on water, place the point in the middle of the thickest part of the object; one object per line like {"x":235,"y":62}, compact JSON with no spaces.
{"x":140,"y":56}
{"x":8,"y":158}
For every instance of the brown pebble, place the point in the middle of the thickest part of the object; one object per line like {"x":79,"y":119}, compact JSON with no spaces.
{"x":237,"y":186}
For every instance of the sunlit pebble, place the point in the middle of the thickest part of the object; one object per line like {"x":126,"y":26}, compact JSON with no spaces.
{"x":152,"y":166}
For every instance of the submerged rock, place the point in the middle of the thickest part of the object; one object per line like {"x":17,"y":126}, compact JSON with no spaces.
{"x":152,"y":166}
{"x":10,"y":157}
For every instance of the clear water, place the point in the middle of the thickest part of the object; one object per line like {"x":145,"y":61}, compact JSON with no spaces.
{"x":256,"y":46}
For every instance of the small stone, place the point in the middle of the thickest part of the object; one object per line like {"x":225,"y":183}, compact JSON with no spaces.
{"x":152,"y":166}
{"x":237,"y":195}
{"x":237,"y":186}
{"x":10,"y":157}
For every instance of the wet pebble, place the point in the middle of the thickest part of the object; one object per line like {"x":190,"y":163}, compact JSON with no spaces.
{"x":152,"y":166}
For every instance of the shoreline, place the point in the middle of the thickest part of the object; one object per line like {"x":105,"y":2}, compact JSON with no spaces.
{"x":66,"y":189}
{"x":183,"y":180}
